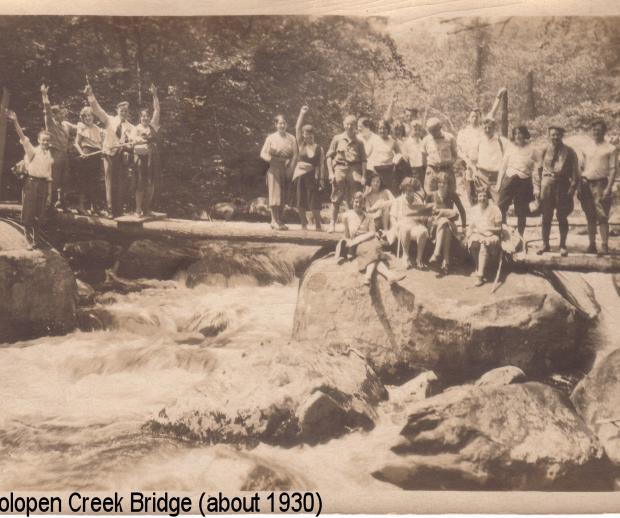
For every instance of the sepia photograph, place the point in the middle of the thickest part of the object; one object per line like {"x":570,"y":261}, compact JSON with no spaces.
{"x":332,"y":256}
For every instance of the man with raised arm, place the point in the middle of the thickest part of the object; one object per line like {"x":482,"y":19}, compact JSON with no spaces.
{"x":60,"y":131}
{"x":118,"y":131}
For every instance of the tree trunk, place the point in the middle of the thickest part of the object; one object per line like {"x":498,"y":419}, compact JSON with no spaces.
{"x":3,"y":107}
{"x":529,"y":93}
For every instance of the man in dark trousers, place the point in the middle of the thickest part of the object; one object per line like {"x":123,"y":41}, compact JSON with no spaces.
{"x":555,"y":183}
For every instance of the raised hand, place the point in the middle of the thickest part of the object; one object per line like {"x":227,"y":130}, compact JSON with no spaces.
{"x":11,"y":115}
{"x":153,"y":90}
{"x":44,"y":89}
{"x":88,"y":90}
{"x":502,"y":91}
{"x":304,"y":109}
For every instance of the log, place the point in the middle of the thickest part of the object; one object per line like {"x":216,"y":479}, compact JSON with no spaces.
{"x":573,"y":262}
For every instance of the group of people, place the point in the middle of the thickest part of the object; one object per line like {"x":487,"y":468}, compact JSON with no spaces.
{"x":400,"y":185}
{"x":124,"y":154}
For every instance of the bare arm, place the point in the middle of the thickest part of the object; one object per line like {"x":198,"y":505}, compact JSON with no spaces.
{"x":23,"y":139}
{"x":347,"y":232}
{"x":300,"y":123}
{"x":156,"y":108}
{"x":47,"y":108}
{"x":331,"y":152}
{"x":94,"y":105}
{"x":496,"y":102}
{"x":265,"y":152}
{"x":389,"y":112}
{"x":460,"y":208}
{"x":613,"y":165}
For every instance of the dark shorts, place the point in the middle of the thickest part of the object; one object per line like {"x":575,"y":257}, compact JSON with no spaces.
{"x":594,"y":205}
{"x":554,"y":196}
{"x":344,"y":185}
{"x":389,"y":180}
{"x":517,"y":190}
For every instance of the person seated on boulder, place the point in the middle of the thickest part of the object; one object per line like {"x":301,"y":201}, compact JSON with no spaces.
{"x":37,"y":189}
{"x":409,"y":216}
{"x":483,"y":236}
{"x":443,"y":227}
{"x":377,"y":201}
{"x":365,"y":245}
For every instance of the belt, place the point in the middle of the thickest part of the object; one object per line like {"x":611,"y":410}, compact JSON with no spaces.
{"x":439,"y":167}
{"x":29,"y":177}
{"x":487,"y":171}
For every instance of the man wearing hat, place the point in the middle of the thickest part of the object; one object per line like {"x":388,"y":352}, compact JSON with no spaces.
{"x":554,"y":185}
{"x":600,"y":166}
{"x":440,"y":151}
{"x":115,"y":151}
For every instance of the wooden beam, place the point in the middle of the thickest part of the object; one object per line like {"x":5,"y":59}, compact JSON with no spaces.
{"x":573,"y":262}
{"x":4,"y":105}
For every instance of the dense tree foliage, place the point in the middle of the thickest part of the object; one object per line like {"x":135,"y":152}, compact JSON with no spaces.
{"x":222,"y":79}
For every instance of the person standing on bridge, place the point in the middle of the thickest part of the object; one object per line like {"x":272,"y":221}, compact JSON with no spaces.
{"x":554,"y":185}
{"x":146,"y":155}
{"x":280,"y":151}
{"x":600,"y":167}
{"x":60,"y":131}
{"x":89,"y":142}
{"x":115,"y":151}
{"x":37,"y":189}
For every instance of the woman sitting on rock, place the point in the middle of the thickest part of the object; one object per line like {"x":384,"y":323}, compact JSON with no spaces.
{"x":280,"y":151}
{"x":377,"y":202}
{"x":443,"y":228}
{"x":364,"y":244}
{"x":409,"y":216}
{"x":309,"y":175}
{"x":483,"y":237}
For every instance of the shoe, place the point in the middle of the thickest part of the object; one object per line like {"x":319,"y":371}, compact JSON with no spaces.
{"x":332,"y":228}
{"x":282,"y":226}
{"x":422,"y":266}
{"x":591,"y":249}
{"x":479,"y":282}
{"x":445,"y":268}
{"x":543,"y":250}
{"x":274,"y":225}
{"x":604,"y":250}
{"x":319,"y":228}
{"x":434,"y":259}
{"x":563,"y":252}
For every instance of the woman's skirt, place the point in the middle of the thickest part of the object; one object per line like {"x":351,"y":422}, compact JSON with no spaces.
{"x":440,"y":223}
{"x":34,"y":198}
{"x":307,"y":192}
{"x":491,"y":242}
{"x":277,"y":181}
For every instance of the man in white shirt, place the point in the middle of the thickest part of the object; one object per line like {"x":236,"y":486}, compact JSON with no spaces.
{"x":488,"y":157}
{"x":599,"y":169}
{"x":413,"y":151}
{"x":116,"y":142}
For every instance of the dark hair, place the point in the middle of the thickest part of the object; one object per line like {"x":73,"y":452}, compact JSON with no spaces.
{"x":278,"y":117}
{"x":399,"y":130}
{"x":366,"y":123}
{"x":372,"y":176}
{"x":521,"y":129}
{"x":601,"y":123}
{"x":386,"y":124}
{"x":307,"y":128}
{"x":410,"y":183}
{"x":145,"y":110}
{"x":557,"y":128}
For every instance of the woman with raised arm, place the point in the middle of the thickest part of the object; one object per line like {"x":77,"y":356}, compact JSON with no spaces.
{"x":309,"y":175}
{"x":144,"y":138}
{"x":280,"y":151}
{"x":89,"y":143}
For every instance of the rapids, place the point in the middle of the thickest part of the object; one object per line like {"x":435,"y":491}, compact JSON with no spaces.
{"x":73,"y":407}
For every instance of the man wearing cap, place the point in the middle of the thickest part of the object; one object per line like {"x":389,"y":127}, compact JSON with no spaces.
{"x":440,"y":152}
{"x":115,"y":151}
{"x":60,"y":142}
{"x":555,"y":182}
{"x":488,"y":156}
{"x":346,"y":163}
{"x":600,"y":166}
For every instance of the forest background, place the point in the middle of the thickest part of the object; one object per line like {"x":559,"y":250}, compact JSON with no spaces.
{"x":222,"y":80}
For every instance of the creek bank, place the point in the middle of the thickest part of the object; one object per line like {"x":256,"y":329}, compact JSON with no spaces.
{"x":277,"y":393}
{"x":441,"y":324}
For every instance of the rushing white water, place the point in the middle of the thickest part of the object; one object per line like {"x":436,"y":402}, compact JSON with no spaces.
{"x":72,"y":408}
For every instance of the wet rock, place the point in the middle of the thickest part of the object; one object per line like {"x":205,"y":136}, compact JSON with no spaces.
{"x":440,"y":324}
{"x":38,"y":295}
{"x":90,"y":255}
{"x":597,"y":400}
{"x":85,"y":293}
{"x":576,"y":290}
{"x":502,"y":376}
{"x":154,"y":259}
{"x":421,"y":387}
{"x":279,"y":394}
{"x":511,"y":437}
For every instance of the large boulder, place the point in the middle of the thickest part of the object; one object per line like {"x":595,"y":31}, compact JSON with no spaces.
{"x":38,"y":295}
{"x":282,"y":394}
{"x":439,"y":324}
{"x":597,"y":399}
{"x":511,"y":437}
{"x":146,"y":258}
